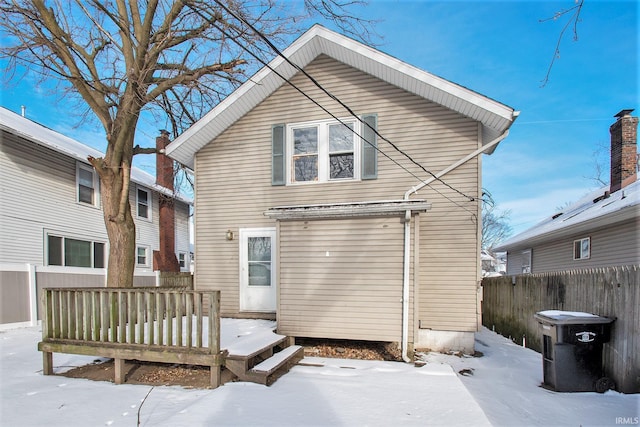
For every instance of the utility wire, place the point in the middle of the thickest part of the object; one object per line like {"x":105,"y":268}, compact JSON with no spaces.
{"x":264,"y":63}
{"x":335,"y":98}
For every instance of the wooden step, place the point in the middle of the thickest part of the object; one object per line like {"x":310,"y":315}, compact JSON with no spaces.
{"x":274,"y":362}
{"x":277,"y":365}
{"x":254,"y":344}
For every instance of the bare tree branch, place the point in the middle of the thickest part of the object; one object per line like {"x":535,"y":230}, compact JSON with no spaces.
{"x":175,"y":59}
{"x":574,"y":19}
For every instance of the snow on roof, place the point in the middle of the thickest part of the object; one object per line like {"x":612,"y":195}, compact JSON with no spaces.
{"x":42,"y":135}
{"x":596,"y":209}
{"x":495,"y":117}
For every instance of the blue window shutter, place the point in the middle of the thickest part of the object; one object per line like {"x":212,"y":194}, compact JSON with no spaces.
{"x":278,"y":157}
{"x":369,"y":147}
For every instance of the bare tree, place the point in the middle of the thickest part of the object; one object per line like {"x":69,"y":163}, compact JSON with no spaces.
{"x":495,"y":223}
{"x":171,"y":58}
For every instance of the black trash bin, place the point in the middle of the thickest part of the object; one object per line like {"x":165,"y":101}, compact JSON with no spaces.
{"x":572,"y":350}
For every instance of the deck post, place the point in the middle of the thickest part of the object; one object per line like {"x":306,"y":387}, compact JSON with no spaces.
{"x":215,"y":374}
{"x":47,"y":363}
{"x":119,"y":370}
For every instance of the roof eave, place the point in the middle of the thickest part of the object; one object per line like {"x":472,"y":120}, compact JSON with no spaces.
{"x":624,"y":214}
{"x":494,"y":116}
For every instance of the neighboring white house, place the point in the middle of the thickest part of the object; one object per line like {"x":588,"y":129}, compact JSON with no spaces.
{"x":51,"y":224}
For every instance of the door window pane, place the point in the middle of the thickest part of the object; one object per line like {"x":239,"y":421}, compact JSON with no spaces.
{"x":259,"y":259}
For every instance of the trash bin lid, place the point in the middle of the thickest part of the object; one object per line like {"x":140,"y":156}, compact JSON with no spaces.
{"x":558,"y":317}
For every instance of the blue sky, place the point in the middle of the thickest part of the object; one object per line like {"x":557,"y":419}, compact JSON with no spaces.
{"x":501,"y":50}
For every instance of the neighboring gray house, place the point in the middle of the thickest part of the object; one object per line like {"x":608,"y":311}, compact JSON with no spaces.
{"x":599,"y":230}
{"x":51,"y":225}
{"x":318,"y":221}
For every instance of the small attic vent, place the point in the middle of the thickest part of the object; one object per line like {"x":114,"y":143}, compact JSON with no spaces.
{"x":604,"y":196}
{"x":556,"y":215}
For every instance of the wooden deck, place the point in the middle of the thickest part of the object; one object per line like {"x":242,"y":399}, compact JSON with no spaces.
{"x":158,"y":325}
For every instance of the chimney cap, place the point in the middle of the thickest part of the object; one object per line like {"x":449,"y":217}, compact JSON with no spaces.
{"x":623,"y":113}
{"x":166,"y":132}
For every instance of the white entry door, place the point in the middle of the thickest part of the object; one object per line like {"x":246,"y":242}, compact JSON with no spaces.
{"x":257,"y":269}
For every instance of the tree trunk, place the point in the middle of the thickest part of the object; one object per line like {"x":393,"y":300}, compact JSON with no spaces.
{"x":121,"y":230}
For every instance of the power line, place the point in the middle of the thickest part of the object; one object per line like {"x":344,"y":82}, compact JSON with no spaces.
{"x":335,"y":98}
{"x":264,"y":63}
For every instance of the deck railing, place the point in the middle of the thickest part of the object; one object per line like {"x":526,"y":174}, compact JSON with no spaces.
{"x":154,"y":324}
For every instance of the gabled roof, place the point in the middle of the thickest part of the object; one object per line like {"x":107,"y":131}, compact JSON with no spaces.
{"x":494,"y":116}
{"x":31,"y":131}
{"x":594,"y":210}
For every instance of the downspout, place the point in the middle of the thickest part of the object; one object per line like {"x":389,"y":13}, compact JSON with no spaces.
{"x":407,"y":237}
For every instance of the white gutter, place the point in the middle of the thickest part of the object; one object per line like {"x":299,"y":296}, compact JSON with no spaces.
{"x":407,"y":237}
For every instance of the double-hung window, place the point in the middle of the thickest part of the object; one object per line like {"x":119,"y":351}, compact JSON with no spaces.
{"x":142,"y":256}
{"x":582,"y":248}
{"x":143,"y":203}
{"x":68,"y":252}
{"x":323,"y":151}
{"x":87,"y":184}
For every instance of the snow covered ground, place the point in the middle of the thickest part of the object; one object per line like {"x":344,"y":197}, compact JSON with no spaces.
{"x":503,"y":391}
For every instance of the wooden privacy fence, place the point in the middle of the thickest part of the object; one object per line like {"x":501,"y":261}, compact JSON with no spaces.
{"x":509,"y":303}
{"x":149,"y":324}
{"x":176,"y":280}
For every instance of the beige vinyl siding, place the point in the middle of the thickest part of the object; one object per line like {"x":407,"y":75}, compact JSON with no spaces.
{"x":234,"y":185}
{"x":341,"y":278}
{"x":610,"y":246}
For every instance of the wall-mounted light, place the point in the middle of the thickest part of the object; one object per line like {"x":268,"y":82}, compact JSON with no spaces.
{"x":229,"y":235}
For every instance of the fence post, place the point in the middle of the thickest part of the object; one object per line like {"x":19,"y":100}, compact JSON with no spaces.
{"x":33,"y":295}
{"x":47,"y":357}
{"x":214,"y":337}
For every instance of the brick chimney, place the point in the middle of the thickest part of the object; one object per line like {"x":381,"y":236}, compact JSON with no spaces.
{"x":624,"y":151}
{"x":165,"y":259}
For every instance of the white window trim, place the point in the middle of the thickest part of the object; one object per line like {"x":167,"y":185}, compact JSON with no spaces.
{"x":323,"y":151}
{"x":149,"y":216}
{"x":96,"y":185}
{"x":184,"y":260}
{"x":64,"y":236}
{"x":582,"y":255}
{"x":147,"y":252}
